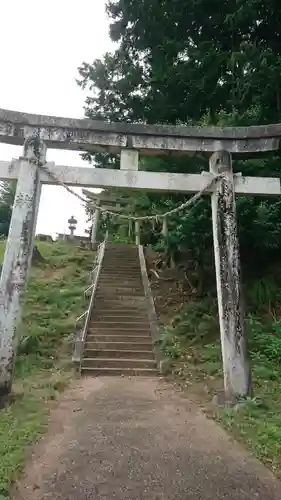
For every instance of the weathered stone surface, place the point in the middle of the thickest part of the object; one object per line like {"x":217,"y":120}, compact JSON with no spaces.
{"x":237,"y":380}
{"x":151,"y":181}
{"x":17,"y":259}
{"x":68,"y":133}
{"x":95,"y":225}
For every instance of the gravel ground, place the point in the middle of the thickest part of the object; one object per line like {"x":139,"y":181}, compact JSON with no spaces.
{"x":138,"y":439}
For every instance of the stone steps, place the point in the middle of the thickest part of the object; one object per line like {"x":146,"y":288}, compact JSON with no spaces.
{"x":109,"y":298}
{"x":121,"y":303}
{"x":120,"y":283}
{"x":120,"y":317}
{"x":113,"y":275}
{"x":126,"y":289}
{"x":120,"y":354}
{"x":119,"y":340}
{"x":116,"y":314}
{"x":132,"y":339}
{"x":113,"y":291}
{"x":125,"y":331}
{"x":118,"y":363}
{"x":127,"y":323}
{"x":126,"y":344}
{"x":129,"y":372}
{"x":131,"y":279}
{"x":122,"y":268}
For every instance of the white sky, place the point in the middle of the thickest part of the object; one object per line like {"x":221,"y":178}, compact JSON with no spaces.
{"x":42,"y":44}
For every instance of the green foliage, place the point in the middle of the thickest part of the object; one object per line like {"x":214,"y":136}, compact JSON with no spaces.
{"x":7,"y":194}
{"x":170,"y":343}
{"x":117,"y":238}
{"x":194,"y":323}
{"x":263,"y":291}
{"x":194,"y":320}
{"x":216,"y":65}
{"x":265,"y":339}
{"x":257,"y":422}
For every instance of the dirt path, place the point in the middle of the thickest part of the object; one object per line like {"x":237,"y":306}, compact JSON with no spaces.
{"x":138,"y":439}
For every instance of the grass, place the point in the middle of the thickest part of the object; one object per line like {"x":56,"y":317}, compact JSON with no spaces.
{"x":53,"y":300}
{"x":257,"y":423}
{"x":192,"y":341}
{"x":259,"y":426}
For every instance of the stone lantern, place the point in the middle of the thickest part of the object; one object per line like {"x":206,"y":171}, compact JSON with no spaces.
{"x":72,"y":226}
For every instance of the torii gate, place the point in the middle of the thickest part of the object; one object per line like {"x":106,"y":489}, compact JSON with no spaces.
{"x":131,"y":140}
{"x":105,"y":201}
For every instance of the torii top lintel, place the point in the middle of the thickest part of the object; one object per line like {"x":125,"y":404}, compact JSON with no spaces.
{"x":91,"y":135}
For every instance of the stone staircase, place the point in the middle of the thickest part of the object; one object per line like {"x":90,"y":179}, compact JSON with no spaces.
{"x":118,"y":340}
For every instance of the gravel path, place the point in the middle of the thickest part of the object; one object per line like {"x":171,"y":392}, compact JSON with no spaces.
{"x":139,"y":439}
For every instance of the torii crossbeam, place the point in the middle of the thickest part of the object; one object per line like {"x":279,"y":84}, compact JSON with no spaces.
{"x":75,"y":134}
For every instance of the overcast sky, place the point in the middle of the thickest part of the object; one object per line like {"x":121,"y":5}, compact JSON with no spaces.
{"x":42,"y":44}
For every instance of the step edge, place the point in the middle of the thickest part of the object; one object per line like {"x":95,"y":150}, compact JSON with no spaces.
{"x":150,"y":361}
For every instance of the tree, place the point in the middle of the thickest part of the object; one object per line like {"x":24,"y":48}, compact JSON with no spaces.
{"x":188,"y":58}
{"x":198,"y":62}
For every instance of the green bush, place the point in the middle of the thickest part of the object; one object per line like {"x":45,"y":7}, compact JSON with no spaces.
{"x":265,"y":339}
{"x":194,"y":323}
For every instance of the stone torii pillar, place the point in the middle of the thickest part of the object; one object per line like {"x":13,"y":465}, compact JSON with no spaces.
{"x":95,"y":223}
{"x":137,"y":232}
{"x":237,"y":379}
{"x":17,"y":258}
